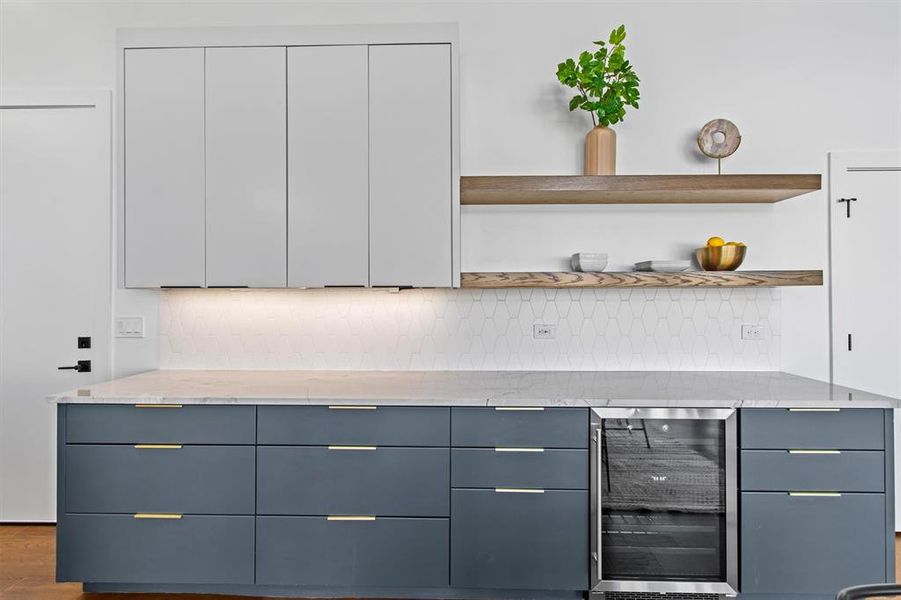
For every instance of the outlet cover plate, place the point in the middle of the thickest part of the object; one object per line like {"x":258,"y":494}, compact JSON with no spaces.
{"x":544,"y":331}
{"x":752,"y":332}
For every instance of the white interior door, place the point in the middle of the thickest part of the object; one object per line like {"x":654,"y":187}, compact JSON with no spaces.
{"x":55,"y":278}
{"x":865,"y":221}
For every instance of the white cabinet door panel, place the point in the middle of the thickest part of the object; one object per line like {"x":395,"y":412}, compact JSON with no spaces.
{"x":164,"y":182}
{"x":410,"y":165}
{"x":246,"y":197}
{"x":328,"y":172}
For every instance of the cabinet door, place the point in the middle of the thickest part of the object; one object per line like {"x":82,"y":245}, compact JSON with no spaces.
{"x":519,"y":539}
{"x":410,"y":165}
{"x":164,"y":185}
{"x":246,"y":197}
{"x":328,"y":170}
{"x":811,"y":544}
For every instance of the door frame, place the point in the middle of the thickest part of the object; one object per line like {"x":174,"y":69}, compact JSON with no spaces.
{"x":841,"y":163}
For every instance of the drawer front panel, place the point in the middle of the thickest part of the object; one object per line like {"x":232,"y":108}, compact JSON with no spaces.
{"x":780,"y":428}
{"x":492,"y":427}
{"x":519,"y":540}
{"x":123,"y":549}
{"x":383,"y":552}
{"x":840,"y":471}
{"x":505,"y":467}
{"x":404,"y":482}
{"x":811,"y":545}
{"x":191,"y":480}
{"x":379,"y":426}
{"x":131,"y":424}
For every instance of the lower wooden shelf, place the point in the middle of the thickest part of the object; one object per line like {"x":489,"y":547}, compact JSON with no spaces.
{"x":686,"y":279}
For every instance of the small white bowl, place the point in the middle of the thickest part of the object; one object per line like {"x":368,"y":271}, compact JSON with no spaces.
{"x":589,"y":262}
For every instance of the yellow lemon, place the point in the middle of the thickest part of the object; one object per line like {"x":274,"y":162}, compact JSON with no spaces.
{"x":715,"y":242}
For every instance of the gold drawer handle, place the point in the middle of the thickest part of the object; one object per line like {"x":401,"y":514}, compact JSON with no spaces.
{"x":161,"y":516}
{"x":518,"y":491}
{"x":352,"y":447}
{"x":350,"y":518}
{"x":815,"y":494}
{"x":814,"y":410}
{"x":158,"y":446}
{"x":351,"y":407}
{"x":814,"y":451}
{"x":522,"y":408}
{"x":519,"y":449}
{"x":158,"y":405}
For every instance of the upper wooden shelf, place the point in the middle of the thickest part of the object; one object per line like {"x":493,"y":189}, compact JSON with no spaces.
{"x":635,"y":189}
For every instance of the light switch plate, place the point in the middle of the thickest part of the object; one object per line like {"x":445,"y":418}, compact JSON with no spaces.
{"x":129,"y":327}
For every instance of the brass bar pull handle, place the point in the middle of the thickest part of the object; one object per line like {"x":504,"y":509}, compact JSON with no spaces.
{"x":158,"y":405}
{"x":519,"y":449}
{"x":350,"y":518}
{"x":518,"y":491}
{"x":815,"y":494}
{"x":158,"y":446}
{"x":814,"y":451}
{"x":519,"y":408}
{"x":814,"y":410}
{"x":351,"y":407}
{"x":159,"y":516}
{"x":353,"y":447}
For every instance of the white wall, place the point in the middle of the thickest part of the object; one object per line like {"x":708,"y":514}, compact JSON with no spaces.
{"x":799,"y":79}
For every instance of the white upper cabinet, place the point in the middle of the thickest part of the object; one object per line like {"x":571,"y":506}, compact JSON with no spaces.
{"x":326,"y":159}
{"x":410,"y":187}
{"x":328,"y":166}
{"x":164,"y":172}
{"x":246,"y":196}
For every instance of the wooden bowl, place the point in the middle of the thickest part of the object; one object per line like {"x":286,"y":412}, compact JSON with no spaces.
{"x":720,"y":258}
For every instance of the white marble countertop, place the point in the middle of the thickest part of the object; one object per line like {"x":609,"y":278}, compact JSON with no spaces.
{"x":730,"y":389}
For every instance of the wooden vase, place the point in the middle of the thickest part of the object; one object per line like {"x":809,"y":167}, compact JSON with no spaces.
{"x":600,"y":151}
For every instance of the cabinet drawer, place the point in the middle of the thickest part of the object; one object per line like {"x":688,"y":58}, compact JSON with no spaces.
{"x":780,"y":428}
{"x":519,"y":467}
{"x":544,"y":428}
{"x":840,"y":471}
{"x":811,"y":545}
{"x":380,"y":552}
{"x":379,"y":426}
{"x":192,"y":479}
{"x":407,"y":482}
{"x":123,"y":549}
{"x":519,"y":540}
{"x":160,"y":424}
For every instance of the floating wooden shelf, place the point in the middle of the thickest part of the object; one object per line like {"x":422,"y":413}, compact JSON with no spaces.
{"x":686,"y":279}
{"x":636,"y":189}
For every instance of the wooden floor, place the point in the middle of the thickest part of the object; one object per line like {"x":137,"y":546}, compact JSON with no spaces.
{"x":28,"y":552}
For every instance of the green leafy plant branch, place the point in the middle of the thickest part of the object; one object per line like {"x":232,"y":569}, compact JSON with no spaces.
{"x":606,"y":81}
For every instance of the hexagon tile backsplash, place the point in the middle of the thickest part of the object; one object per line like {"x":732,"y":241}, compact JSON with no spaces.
{"x":596,"y":329}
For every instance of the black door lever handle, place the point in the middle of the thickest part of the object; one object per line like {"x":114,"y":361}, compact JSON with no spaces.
{"x":83,"y":366}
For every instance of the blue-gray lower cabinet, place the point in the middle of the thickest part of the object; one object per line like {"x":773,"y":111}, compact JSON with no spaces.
{"x":525,"y":468}
{"x":316,"y":551}
{"x":311,"y":480}
{"x":125,"y":549}
{"x":811,"y":544}
{"x":210,"y":480}
{"x":536,"y":539}
{"x":817,"y":501}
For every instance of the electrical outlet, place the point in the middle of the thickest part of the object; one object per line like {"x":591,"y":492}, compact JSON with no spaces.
{"x":129,"y":327}
{"x":752,"y":332}
{"x":544,"y":332}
